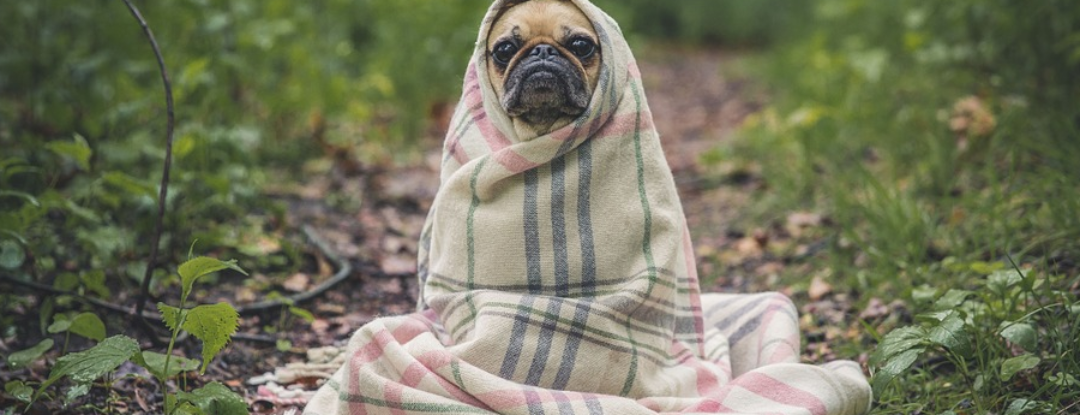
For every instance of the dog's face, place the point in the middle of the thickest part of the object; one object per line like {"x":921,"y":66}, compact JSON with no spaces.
{"x":543,"y":61}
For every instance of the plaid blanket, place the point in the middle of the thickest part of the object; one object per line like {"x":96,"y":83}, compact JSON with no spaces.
{"x":558,"y":277}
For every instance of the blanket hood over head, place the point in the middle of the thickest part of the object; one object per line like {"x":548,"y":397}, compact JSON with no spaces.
{"x":558,"y":277}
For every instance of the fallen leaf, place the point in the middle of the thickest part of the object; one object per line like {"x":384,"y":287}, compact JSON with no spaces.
{"x":748,"y":247}
{"x":298,"y":282}
{"x":320,"y":325}
{"x":874,"y":309}
{"x":398,"y":264}
{"x":799,"y":221}
{"x":330,"y":308}
{"x":819,"y":289}
{"x":245,"y":295}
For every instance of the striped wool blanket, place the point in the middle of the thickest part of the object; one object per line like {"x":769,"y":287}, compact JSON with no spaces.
{"x":558,"y":277}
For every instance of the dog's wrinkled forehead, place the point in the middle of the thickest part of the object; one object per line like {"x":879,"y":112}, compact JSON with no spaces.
{"x":525,"y":19}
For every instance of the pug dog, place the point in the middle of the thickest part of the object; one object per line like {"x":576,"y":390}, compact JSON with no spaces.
{"x":543,"y":62}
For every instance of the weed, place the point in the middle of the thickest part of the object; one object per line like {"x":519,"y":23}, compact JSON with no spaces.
{"x":213,"y":324}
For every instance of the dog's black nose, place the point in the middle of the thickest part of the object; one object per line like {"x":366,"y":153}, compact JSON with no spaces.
{"x":544,"y":51}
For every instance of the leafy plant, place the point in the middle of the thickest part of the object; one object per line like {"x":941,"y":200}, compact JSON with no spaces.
{"x":1015,"y":333}
{"x":213,"y":324}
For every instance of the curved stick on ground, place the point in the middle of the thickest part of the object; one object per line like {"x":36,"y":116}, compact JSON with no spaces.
{"x":343,"y":266}
{"x":164,"y":191}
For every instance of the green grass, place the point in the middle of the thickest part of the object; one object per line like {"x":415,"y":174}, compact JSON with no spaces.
{"x":863,"y":128}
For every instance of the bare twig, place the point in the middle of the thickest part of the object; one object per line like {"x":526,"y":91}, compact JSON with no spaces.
{"x":144,"y":294}
{"x":119,"y":309}
{"x":343,"y":266}
{"x":149,"y":315}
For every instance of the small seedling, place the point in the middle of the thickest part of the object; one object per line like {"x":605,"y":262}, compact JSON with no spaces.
{"x":214,"y":325}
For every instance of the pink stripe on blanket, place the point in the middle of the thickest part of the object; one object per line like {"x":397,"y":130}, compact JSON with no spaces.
{"x":473,"y":99}
{"x":516,"y":398}
{"x":777,"y":391}
{"x":438,"y":359}
{"x":623,"y":125}
{"x":708,"y":406}
{"x":372,"y":351}
{"x":512,"y":161}
{"x":780,"y":354}
{"x":392,"y":392}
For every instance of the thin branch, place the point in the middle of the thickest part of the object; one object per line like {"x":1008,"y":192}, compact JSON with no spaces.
{"x":119,"y":309}
{"x":144,"y":294}
{"x":344,"y":269}
{"x":149,"y":315}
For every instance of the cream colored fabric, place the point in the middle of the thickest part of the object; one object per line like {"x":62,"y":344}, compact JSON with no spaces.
{"x":558,"y":277}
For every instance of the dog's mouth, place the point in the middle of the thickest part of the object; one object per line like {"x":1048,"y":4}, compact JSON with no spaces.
{"x":545,"y":87}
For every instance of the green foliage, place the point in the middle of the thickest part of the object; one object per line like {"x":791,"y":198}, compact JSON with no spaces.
{"x":155,"y":363}
{"x":214,"y":398}
{"x":23,"y":358}
{"x":199,"y":267}
{"x":938,"y":138}
{"x":214,"y":325}
{"x":729,"y":22}
{"x":991,"y":339}
{"x":88,"y":325}
{"x":86,"y":366}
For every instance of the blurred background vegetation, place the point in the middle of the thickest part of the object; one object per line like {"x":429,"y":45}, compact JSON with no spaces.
{"x":935,"y":135}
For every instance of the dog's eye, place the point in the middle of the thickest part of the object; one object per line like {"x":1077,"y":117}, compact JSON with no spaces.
{"x":582,"y":47}
{"x":504,"y":52}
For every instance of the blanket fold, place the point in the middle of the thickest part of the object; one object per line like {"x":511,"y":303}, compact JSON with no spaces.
{"x":558,"y":277}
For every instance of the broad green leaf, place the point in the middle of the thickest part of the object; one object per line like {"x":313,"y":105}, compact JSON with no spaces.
{"x":898,"y":341}
{"x":23,"y":358}
{"x":951,"y":299}
{"x":1012,"y":366}
{"x":87,"y":365}
{"x":1004,"y":279}
{"x":77,"y":149}
{"x":19,"y":390}
{"x":216,"y":398}
{"x":76,"y":392}
{"x":11,"y":255}
{"x":28,"y":198}
{"x":172,"y":316}
{"x":924,"y":294}
{"x":187,"y":408}
{"x":1020,"y":406}
{"x":1063,"y":379}
{"x":66,"y":282}
{"x":895,"y":366}
{"x":214,"y":325}
{"x":1020,"y":334}
{"x":284,"y":345}
{"x":88,"y":325}
{"x":155,"y":363}
{"x":95,"y":281}
{"x":61,"y":323}
{"x":302,"y":313}
{"x":950,"y":333}
{"x":200,"y":266}
{"x":987,"y":268}
{"x":130,"y":184}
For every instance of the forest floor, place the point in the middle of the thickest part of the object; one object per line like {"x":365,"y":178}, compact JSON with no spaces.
{"x":371,"y":216}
